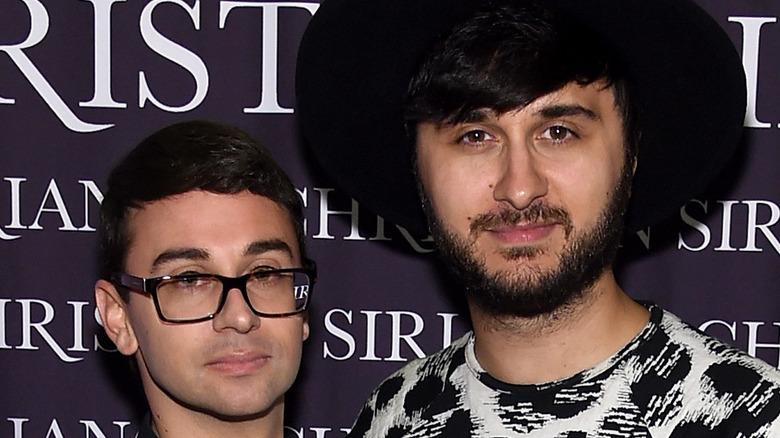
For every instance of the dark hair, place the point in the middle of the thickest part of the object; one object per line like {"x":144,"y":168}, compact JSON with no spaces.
{"x":503,"y":58}
{"x":195,"y":155}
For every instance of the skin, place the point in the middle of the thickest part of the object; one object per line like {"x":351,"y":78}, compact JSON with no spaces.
{"x":222,"y":377}
{"x":563,"y":150}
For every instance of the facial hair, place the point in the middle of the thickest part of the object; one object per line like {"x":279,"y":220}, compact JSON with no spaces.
{"x":584,"y":257}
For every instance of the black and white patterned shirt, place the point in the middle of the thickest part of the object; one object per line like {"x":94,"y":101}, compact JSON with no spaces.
{"x":670,"y":381}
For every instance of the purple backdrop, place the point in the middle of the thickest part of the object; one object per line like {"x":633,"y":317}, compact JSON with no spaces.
{"x":81,"y":82}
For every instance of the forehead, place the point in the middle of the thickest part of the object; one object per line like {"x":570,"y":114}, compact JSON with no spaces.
{"x":215,"y":222}
{"x":595,"y":101}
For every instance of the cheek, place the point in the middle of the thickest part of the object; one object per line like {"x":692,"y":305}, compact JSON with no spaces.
{"x":289,"y":347}
{"x":165,"y":358}
{"x":585,"y":192}
{"x":457,"y":190}
{"x":157,"y":343}
{"x":144,"y":322}
{"x":289,"y":336}
{"x":163,"y":342}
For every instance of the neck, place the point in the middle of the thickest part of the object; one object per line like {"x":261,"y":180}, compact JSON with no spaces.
{"x":200,"y":425}
{"x":172,"y":418}
{"x":554,"y":346}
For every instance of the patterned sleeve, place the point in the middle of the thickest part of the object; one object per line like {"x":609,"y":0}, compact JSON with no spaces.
{"x":399,"y":402}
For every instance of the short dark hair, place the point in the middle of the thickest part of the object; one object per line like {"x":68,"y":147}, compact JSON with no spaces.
{"x":504,"y":57}
{"x":194,"y":155}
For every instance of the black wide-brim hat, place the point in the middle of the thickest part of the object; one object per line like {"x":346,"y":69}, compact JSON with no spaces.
{"x":357,"y":57}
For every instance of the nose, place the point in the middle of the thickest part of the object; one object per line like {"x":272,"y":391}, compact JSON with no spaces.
{"x":236,"y":314}
{"x":521,"y":179}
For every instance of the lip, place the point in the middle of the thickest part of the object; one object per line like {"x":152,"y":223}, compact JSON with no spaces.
{"x":239,"y":363}
{"x":523,"y":233}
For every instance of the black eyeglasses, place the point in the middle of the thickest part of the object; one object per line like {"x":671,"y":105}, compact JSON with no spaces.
{"x":272,"y":293}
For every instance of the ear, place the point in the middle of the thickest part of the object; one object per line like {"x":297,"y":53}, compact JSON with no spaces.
{"x":113,"y":313}
{"x":305,"y":326}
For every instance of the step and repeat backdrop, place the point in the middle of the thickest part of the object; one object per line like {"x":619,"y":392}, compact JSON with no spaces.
{"x":82,"y":81}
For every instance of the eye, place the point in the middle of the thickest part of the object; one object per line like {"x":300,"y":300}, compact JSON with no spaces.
{"x":188,"y":279}
{"x":266,"y":279}
{"x":558,"y":134}
{"x":190,"y":283}
{"x":262,"y":268}
{"x":264,"y":273}
{"x":475,"y":137}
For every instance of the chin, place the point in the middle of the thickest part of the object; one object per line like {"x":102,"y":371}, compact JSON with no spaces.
{"x":245,"y":410}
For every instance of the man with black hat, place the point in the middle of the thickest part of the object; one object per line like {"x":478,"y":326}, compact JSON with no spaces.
{"x":529,"y":137}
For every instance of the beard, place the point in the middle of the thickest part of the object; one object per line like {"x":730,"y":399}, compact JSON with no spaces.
{"x":585,"y":256}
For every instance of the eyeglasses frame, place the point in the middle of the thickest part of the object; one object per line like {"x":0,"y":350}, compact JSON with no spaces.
{"x":149,"y":286}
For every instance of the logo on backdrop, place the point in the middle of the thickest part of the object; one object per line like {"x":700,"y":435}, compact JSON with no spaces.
{"x":364,"y":335}
{"x":389,"y":335}
{"x":173,"y":52}
{"x":124,"y":429}
{"x":315,"y":432}
{"x":730,"y":226}
{"x":155,"y":41}
{"x":34,"y":317}
{"x":50,"y":202}
{"x":117,"y":429}
{"x":73,"y":206}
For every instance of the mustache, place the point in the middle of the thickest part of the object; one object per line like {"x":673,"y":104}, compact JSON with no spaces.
{"x":507,"y":217}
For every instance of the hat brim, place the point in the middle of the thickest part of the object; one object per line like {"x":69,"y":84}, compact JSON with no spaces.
{"x":357,"y":57}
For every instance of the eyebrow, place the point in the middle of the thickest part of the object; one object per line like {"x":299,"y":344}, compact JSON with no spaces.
{"x":553,"y":111}
{"x":180,"y":254}
{"x":548,"y":112}
{"x":254,"y":248}
{"x":264,"y":246}
{"x":478,"y":115}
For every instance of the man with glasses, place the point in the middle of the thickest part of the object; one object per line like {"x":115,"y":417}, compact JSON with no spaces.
{"x":205,"y":280}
